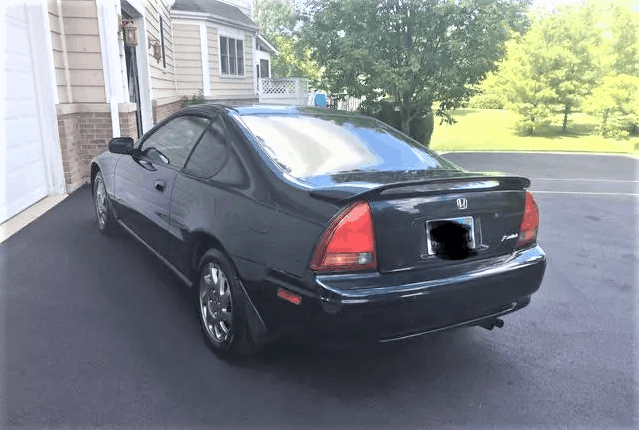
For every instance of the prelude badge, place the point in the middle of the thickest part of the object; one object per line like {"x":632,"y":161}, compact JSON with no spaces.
{"x":462,"y":203}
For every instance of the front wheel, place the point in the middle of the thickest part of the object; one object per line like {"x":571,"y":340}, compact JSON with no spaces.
{"x":104,"y":215}
{"x":220,"y":306}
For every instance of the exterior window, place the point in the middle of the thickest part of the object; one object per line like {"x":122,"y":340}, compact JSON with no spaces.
{"x":264,"y":68}
{"x":231,"y":56}
{"x":164,"y":58}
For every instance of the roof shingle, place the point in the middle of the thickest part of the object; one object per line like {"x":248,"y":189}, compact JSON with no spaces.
{"x":214,"y":7}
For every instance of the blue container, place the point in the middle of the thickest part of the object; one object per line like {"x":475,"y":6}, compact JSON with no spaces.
{"x":320,"y":100}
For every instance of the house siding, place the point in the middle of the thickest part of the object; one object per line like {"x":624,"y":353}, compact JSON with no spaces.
{"x":186,"y":38}
{"x":84,"y":116}
{"x":58,"y":55}
{"x":163,"y":79}
{"x":82,"y":74}
{"x":84,"y":120}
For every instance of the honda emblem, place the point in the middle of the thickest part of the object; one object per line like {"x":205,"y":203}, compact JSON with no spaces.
{"x":462,"y":203}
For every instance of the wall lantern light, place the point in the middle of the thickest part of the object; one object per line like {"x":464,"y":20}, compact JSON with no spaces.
{"x":130,"y":32}
{"x":156,"y":48}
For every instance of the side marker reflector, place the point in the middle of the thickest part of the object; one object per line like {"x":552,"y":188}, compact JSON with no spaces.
{"x":290,"y":297}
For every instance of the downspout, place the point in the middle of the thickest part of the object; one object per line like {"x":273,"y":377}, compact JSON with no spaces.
{"x":204,"y":55}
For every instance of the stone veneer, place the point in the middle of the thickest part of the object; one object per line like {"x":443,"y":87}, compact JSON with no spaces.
{"x":83,"y":135}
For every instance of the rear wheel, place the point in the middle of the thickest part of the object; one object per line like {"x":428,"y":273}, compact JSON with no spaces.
{"x":104,"y":215}
{"x":221,"y":307}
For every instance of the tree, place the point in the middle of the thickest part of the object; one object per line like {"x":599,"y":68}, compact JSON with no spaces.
{"x":489,"y":94}
{"x":615,"y":102}
{"x":274,"y":18}
{"x":619,"y":24}
{"x":527,"y":94}
{"x":294,"y":60}
{"x":409,"y":53}
{"x":277,"y":20}
{"x":554,"y":66}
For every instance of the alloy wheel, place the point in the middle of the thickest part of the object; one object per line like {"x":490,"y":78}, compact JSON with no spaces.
{"x":216,"y":303}
{"x":101,"y":202}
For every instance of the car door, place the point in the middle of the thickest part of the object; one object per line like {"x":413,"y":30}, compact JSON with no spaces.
{"x":144,"y":181}
{"x":217,"y":194}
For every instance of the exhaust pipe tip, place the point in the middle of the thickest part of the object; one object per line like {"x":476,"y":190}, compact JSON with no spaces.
{"x":491,"y":323}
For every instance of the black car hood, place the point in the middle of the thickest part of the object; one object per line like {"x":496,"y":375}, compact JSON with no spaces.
{"x":347,"y":185}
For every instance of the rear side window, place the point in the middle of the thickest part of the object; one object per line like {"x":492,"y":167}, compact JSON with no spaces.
{"x":316,"y":145}
{"x":211,"y":153}
{"x":172,"y":143}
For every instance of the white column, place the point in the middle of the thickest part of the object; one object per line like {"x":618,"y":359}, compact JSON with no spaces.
{"x":107,"y":24}
{"x":204,"y":52}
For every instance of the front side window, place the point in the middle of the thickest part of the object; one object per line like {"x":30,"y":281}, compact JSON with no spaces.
{"x":172,"y":143}
{"x":231,"y":56}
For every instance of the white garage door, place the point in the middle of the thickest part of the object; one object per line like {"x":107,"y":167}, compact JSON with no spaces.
{"x":23,"y":166}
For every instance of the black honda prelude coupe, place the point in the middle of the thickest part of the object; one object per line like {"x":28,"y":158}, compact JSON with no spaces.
{"x":328,"y":226}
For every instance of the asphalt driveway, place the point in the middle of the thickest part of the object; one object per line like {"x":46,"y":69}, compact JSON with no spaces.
{"x":94,"y":332}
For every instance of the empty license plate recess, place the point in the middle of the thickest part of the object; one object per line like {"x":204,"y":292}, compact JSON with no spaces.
{"x":433,"y":244}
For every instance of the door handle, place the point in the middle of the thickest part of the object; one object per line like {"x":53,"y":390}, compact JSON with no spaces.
{"x":159,"y":185}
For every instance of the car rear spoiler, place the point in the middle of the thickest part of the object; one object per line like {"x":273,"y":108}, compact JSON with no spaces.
{"x":434,"y":186}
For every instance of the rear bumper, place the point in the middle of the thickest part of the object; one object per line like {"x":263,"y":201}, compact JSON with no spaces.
{"x":363,"y":308}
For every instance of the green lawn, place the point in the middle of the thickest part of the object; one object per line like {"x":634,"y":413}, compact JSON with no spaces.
{"x":494,"y":130}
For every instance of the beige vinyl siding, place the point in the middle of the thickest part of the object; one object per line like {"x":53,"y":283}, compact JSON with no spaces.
{"x":58,"y":57}
{"x":230,"y":87}
{"x":188,"y":59}
{"x":81,"y":34}
{"x":163,"y":80}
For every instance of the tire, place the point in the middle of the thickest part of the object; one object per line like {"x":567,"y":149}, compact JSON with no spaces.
{"x":221,"y":308}
{"x":104,"y":214}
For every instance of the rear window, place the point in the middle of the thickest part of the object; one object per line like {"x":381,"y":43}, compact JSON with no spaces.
{"x":317,"y":145}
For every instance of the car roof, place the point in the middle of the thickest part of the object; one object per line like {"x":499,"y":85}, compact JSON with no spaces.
{"x":265,"y":110}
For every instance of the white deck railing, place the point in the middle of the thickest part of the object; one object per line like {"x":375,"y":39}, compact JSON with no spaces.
{"x":286,"y":91}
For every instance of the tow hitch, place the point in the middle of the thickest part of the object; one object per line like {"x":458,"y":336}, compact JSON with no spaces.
{"x":491,"y":323}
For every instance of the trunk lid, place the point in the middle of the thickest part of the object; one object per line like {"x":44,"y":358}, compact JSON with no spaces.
{"x":405,"y":205}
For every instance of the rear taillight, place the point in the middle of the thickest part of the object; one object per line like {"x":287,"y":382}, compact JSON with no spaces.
{"x":349,"y":242}
{"x":530,"y":220}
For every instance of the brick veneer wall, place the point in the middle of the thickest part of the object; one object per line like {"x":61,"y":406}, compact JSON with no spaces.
{"x":163,"y":111}
{"x":128,"y":125}
{"x":83,"y":135}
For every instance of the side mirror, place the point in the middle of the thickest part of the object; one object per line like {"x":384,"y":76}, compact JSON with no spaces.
{"x":121,"y":145}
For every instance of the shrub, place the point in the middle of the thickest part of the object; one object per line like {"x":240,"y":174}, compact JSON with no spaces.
{"x":385,"y":111}
{"x":486,"y":101}
{"x":198,"y":98}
